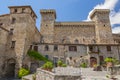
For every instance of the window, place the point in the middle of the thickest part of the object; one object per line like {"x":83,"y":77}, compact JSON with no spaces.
{"x":1,"y":24}
{"x":23,"y":10}
{"x":30,"y":47}
{"x":47,"y":56}
{"x":15,"y":10}
{"x":11,"y":31}
{"x":13,"y":44}
{"x":119,"y":42}
{"x":90,"y":48}
{"x":55,"y":47}
{"x":104,"y":25}
{"x":83,"y":40}
{"x":76,"y":41}
{"x":72,"y":48}
{"x":46,"y":48}
{"x":36,"y":48}
{"x":108,"y":48}
{"x":13,"y":20}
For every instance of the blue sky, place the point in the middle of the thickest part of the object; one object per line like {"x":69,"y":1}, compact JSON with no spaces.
{"x":68,"y":10}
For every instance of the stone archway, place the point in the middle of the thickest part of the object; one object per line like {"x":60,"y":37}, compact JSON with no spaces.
{"x":93,"y":61}
{"x":10,"y":68}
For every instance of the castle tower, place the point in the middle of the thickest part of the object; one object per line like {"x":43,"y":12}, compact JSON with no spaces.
{"x":22,"y":25}
{"x":47,"y":25}
{"x":102,"y":26}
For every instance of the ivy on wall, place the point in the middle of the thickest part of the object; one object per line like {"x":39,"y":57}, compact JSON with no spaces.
{"x":37,"y":56}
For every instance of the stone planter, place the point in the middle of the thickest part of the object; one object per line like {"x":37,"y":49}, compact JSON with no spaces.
{"x":110,"y":64}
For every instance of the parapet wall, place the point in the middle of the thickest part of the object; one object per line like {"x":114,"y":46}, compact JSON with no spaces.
{"x":47,"y":75}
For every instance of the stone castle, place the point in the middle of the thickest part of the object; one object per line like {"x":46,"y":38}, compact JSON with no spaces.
{"x":92,"y":40}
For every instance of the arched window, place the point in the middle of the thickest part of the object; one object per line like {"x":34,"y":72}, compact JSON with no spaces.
{"x":76,"y":41}
{"x":55,"y":47}
{"x":46,"y":47}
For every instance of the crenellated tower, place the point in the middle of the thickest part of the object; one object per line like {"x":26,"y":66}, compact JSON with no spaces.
{"x":102,"y":26}
{"x":47,"y":25}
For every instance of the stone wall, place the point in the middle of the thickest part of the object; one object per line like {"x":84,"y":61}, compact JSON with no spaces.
{"x":83,"y":33}
{"x":82,"y":50}
{"x":46,"y":75}
{"x":116,"y":38}
{"x":63,"y":51}
{"x":103,"y":51}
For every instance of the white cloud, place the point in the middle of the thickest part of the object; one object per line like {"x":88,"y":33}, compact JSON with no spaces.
{"x":108,"y":4}
{"x":114,"y":16}
{"x":116,"y":30}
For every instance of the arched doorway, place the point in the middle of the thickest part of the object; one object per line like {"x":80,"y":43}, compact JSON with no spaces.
{"x":93,"y":61}
{"x":10,"y":68}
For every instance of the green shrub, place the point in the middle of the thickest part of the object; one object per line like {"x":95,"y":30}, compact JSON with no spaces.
{"x":83,"y":65}
{"x":48,"y":65}
{"x":60,"y":63}
{"x":23,"y":72}
{"x":37,"y":56}
{"x":64,"y":65}
{"x":110,"y":60}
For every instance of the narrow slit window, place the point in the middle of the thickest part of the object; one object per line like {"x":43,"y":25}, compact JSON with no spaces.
{"x":55,"y":47}
{"x":46,"y":47}
{"x":13,"y":44}
{"x":13,"y":21}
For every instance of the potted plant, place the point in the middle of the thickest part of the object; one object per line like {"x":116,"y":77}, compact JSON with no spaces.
{"x":59,"y":63}
{"x":83,"y":65}
{"x":110,"y":61}
{"x":48,"y":66}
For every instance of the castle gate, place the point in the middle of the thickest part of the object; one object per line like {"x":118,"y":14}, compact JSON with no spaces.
{"x":10,"y":68}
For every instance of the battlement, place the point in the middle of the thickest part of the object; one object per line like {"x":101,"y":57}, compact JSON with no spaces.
{"x":22,"y":9}
{"x":90,"y":23}
{"x":99,"y":11}
{"x":48,"y":11}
